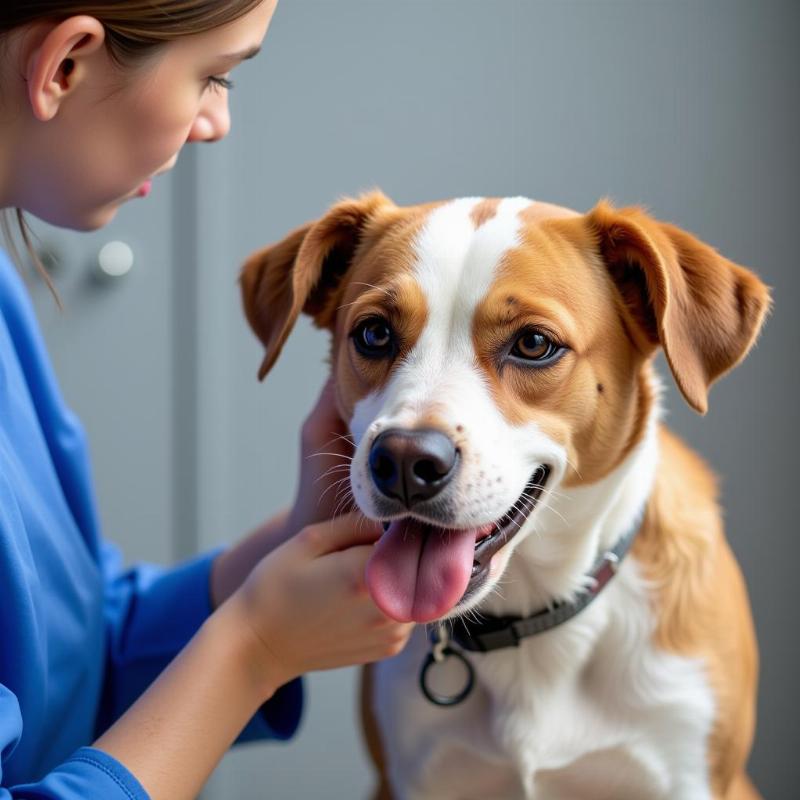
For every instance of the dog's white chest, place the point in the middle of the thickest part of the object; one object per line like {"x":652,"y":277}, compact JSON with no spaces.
{"x":589,"y":710}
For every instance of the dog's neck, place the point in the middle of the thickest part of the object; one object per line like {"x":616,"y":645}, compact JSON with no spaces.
{"x":572,"y":529}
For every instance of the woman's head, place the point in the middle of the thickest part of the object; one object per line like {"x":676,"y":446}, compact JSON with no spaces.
{"x":97,"y":97}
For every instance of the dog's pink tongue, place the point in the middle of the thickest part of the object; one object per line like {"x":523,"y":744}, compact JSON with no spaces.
{"x":418,"y":573}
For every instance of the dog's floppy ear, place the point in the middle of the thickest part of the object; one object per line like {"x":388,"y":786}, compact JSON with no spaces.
{"x":302,"y":273}
{"x":704,"y":310}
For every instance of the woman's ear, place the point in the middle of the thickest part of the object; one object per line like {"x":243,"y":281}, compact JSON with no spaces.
{"x":56,"y":60}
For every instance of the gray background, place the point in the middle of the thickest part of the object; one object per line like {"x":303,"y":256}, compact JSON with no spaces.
{"x":687,"y":107}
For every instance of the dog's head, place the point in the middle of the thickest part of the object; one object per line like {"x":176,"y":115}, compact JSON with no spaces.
{"x":485,"y":349}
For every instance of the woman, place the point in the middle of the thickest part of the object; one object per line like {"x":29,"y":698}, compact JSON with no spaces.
{"x":133,"y":685}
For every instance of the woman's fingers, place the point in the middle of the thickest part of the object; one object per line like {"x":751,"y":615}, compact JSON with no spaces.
{"x":340,"y":533}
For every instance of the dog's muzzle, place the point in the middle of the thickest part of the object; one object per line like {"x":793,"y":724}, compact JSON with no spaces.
{"x":423,"y":565}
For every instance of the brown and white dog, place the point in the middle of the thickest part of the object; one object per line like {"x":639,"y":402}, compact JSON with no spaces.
{"x":493,"y":359}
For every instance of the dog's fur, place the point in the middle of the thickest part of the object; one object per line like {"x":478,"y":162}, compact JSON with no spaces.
{"x":650,"y":691}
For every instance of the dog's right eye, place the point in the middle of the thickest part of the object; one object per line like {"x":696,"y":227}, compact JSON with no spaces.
{"x":374,"y":338}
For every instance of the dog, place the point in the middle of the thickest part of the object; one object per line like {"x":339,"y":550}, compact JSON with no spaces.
{"x":493,"y":359}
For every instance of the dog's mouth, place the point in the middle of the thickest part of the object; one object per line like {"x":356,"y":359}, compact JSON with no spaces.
{"x":419,"y":571}
{"x":504,"y":530}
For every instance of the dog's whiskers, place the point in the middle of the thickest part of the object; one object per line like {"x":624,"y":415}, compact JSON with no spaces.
{"x":341,"y":437}
{"x":336,"y":485}
{"x":372,"y":286}
{"x":333,"y":471}
{"x":343,"y":503}
{"x":336,"y":435}
{"x":570,"y":464}
{"x":343,"y":489}
{"x":335,"y":468}
{"x":496,"y":592}
{"x":549,"y":493}
{"x":328,"y":453}
{"x":346,"y":305}
{"x":472,"y":615}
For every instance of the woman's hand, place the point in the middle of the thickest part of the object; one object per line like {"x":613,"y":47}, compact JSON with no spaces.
{"x":308,"y":607}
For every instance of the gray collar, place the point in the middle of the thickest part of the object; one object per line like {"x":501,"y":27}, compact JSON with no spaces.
{"x":493,"y":633}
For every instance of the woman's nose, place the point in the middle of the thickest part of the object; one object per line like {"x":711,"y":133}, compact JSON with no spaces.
{"x":213,"y":120}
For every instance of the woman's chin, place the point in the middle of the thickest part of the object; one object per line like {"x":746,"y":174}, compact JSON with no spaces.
{"x":92,"y":219}
{"x":100,"y":218}
{"x":89,"y":220}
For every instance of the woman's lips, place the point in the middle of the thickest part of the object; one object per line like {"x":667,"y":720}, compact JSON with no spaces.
{"x":145,"y":188}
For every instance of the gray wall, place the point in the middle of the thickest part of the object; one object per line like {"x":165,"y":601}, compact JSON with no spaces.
{"x":687,"y":107}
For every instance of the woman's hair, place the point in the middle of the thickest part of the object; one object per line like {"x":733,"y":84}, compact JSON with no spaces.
{"x":134,"y":30}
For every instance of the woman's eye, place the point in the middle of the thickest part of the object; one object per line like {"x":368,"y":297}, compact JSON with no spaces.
{"x":534,"y":346}
{"x":374,"y":338}
{"x":220,"y":82}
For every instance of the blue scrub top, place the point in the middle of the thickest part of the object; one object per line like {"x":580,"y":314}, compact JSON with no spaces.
{"x":80,"y":637}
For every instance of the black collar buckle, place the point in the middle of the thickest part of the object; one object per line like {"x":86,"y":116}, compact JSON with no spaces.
{"x":494,"y":633}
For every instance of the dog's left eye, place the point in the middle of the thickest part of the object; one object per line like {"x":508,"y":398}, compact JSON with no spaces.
{"x":535,"y":346}
{"x":374,"y":338}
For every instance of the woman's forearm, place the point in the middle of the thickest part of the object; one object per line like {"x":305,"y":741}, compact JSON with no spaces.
{"x":304,"y":607}
{"x":173,"y":737}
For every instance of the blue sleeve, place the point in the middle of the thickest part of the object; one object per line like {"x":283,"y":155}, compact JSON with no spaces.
{"x":151,"y":614}
{"x":88,"y":774}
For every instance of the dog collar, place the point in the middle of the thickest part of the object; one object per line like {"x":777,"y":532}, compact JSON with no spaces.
{"x":493,"y":633}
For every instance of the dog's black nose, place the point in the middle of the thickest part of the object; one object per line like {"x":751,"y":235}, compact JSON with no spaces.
{"x":412,"y":466}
